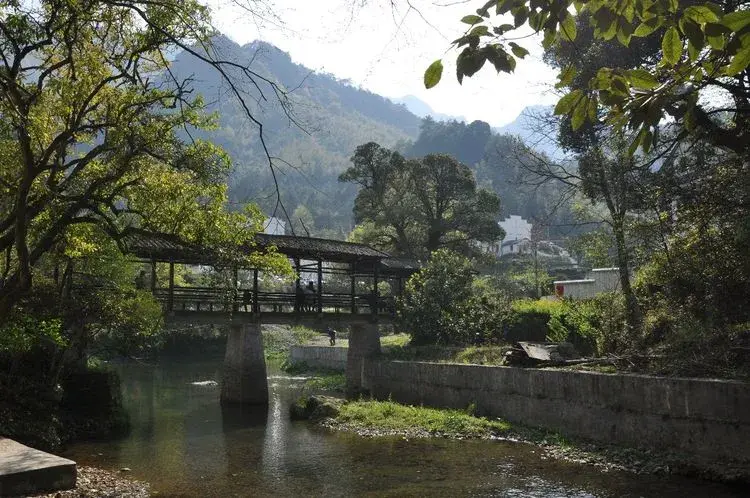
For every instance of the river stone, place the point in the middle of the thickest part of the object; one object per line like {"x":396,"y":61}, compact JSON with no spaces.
{"x":315,"y":408}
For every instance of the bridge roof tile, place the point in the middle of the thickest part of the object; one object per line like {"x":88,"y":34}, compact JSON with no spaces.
{"x":165,"y":247}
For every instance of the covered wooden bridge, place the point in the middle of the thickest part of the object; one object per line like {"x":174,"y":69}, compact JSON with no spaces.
{"x":336,"y":281}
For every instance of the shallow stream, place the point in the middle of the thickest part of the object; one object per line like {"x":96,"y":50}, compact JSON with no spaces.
{"x":184,"y":444}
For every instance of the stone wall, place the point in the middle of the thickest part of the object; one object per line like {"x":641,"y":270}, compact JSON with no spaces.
{"x":320,"y":356}
{"x":707,"y":418}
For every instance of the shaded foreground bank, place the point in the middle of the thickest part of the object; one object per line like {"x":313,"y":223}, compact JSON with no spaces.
{"x":98,"y":483}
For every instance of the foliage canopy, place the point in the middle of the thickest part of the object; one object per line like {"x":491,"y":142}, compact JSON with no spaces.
{"x":701,"y":46}
{"x":421,"y":205}
{"x":92,"y":134}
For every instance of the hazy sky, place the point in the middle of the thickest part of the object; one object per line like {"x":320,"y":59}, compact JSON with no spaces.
{"x":386,"y":50}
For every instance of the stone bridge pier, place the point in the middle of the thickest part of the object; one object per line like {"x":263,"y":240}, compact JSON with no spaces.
{"x":364,"y":342}
{"x":244,"y":376}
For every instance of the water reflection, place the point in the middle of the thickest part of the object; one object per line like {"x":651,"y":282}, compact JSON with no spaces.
{"x":186,"y":444}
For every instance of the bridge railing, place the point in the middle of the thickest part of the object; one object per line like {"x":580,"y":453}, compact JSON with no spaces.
{"x":246,"y":301}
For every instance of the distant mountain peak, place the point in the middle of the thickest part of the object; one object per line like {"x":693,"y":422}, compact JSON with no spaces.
{"x":420,"y":108}
{"x":526,"y":127}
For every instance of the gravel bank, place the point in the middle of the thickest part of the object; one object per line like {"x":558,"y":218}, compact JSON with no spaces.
{"x":605,"y":457}
{"x":98,"y":483}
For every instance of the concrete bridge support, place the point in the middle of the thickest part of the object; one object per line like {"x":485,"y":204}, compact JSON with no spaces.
{"x":244,"y":377}
{"x":364,"y":342}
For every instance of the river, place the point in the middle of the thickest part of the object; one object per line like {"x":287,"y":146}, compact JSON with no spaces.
{"x":184,"y":444}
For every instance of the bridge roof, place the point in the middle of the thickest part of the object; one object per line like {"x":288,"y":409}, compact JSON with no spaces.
{"x":164,"y":247}
{"x":324,"y":249}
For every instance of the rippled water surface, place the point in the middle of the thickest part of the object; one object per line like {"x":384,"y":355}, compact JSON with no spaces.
{"x":184,"y":444}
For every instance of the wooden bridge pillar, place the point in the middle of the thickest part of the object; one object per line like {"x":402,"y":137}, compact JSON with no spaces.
{"x":244,"y":377}
{"x":364,"y":343}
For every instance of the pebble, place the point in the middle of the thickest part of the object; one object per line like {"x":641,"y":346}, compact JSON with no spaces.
{"x":98,"y":483}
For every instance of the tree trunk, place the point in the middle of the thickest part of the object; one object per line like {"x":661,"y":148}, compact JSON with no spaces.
{"x":632,"y":309}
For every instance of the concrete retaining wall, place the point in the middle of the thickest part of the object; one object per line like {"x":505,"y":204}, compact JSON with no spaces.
{"x":708,"y":418}
{"x":320,"y":356}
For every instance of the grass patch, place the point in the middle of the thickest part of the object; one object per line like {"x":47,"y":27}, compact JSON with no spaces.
{"x":395,"y":340}
{"x":303,"y":335}
{"x":322,"y":379}
{"x":391,"y":416}
{"x":278,"y":340}
{"x":483,"y":355}
{"x":328,"y":381}
{"x":475,"y":355}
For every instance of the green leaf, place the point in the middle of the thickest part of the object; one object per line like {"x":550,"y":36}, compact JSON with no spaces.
{"x":499,"y":58}
{"x":579,"y":113}
{"x":520,"y":16}
{"x":518,"y":50}
{"x":671,"y":46}
{"x":700,"y":14}
{"x":739,"y":62}
{"x":549,"y":38}
{"x":610,"y":33}
{"x":693,"y":52}
{"x":568,"y":28}
{"x":693,"y":32}
{"x":640,"y":78}
{"x":568,"y":102}
{"x":469,"y":62}
{"x":604,"y":18}
{"x":480,"y":31}
{"x":433,"y":74}
{"x":717,"y":42}
{"x":737,"y":21}
{"x":471,"y":19}
{"x":624,"y":33}
{"x":566,"y":76}
{"x":648,"y":27}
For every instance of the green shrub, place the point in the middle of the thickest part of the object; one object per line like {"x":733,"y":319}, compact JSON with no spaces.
{"x":445,"y":304}
{"x":529,"y":319}
{"x":593,"y":326}
{"x":436,"y":299}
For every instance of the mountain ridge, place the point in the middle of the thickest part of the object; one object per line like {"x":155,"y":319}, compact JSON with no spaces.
{"x":329,"y":119}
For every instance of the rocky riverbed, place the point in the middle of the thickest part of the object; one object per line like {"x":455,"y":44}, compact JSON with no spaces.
{"x":326,"y":412}
{"x":99,"y":483}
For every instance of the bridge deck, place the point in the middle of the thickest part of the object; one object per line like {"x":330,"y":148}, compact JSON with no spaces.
{"x":220,"y":305}
{"x":311,"y":320}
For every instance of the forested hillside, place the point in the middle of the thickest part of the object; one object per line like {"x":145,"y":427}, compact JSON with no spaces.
{"x":498,"y":163}
{"x":327,"y":119}
{"x":315,"y":134}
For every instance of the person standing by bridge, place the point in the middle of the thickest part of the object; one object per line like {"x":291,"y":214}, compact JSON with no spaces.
{"x":331,"y":335}
{"x":310,"y":296}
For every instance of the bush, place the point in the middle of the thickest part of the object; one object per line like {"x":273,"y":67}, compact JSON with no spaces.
{"x":91,"y":405}
{"x":436,"y":298}
{"x":445,"y":304}
{"x":593,"y":326}
{"x":529,"y":319}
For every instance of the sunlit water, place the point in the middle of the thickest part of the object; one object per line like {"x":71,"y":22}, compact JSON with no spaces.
{"x":184,"y":444}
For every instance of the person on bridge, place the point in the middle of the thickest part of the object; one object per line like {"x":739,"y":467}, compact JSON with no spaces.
{"x":140,"y":280}
{"x":310,"y":295}
{"x":331,"y":335}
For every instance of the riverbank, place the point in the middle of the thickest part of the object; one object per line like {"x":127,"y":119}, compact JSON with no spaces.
{"x":99,"y":483}
{"x":374,"y":419}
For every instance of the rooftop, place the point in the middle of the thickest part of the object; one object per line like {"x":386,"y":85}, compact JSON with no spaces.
{"x":165,"y":247}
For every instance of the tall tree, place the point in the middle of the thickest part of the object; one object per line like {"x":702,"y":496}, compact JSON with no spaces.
{"x":421,"y":204}
{"x":91,"y":129}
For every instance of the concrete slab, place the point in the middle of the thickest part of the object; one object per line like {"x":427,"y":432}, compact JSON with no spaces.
{"x":24,"y":470}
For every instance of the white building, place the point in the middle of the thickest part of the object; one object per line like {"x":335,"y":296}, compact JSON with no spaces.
{"x":274,"y":226}
{"x":516,"y":228}
{"x":596,"y":281}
